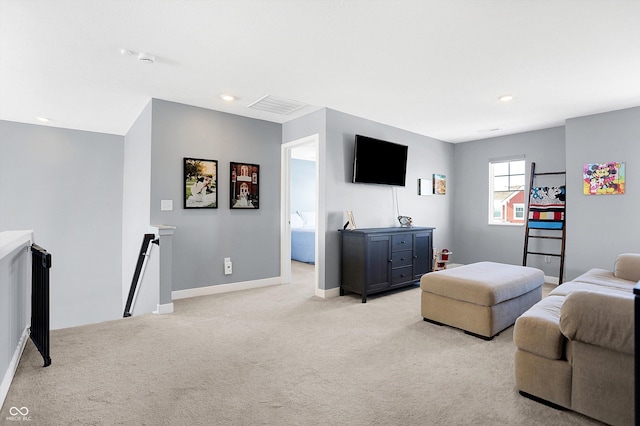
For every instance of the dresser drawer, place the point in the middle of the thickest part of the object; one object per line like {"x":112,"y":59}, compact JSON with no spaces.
{"x":401,"y":242}
{"x":401,"y":258}
{"x":401,"y":275}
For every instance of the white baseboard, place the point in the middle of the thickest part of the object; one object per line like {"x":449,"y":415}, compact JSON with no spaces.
{"x":13,"y":366}
{"x":551,"y":280}
{"x":224,"y":288}
{"x":166,"y":308}
{"x":326,"y":294}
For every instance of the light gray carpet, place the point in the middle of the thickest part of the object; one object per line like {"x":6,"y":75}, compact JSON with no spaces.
{"x":277,"y":356}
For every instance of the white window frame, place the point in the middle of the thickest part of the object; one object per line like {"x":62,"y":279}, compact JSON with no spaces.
{"x":502,"y":220}
{"x":516,"y":205}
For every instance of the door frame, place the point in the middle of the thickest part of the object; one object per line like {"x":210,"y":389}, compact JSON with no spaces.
{"x":285,"y":208}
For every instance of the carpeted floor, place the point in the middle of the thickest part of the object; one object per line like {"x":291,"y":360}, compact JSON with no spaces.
{"x":276,"y":356}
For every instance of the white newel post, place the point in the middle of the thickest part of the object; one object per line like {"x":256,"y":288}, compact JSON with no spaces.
{"x":165,"y":235}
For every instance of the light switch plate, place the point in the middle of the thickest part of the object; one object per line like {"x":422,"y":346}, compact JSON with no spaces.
{"x":166,"y":205}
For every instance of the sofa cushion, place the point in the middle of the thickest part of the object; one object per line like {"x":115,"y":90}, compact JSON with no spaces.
{"x":600,"y":319}
{"x":627,"y":267}
{"x":595,"y":280}
{"x":537,"y":330}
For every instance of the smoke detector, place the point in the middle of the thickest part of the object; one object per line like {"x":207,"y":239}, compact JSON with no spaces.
{"x":146,"y":58}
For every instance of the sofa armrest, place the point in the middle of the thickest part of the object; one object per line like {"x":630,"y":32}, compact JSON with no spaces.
{"x":627,"y":267}
{"x":600,"y":319}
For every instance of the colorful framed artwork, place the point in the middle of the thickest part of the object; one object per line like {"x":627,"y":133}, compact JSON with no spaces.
{"x":245,"y":186}
{"x":200,"y":183}
{"x":439,"y":184}
{"x":604,"y":178}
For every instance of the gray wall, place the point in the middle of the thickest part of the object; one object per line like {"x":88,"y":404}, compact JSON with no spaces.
{"x":601,"y":226}
{"x":598,"y":227}
{"x":204,"y":237}
{"x":85,"y":186}
{"x":374,"y":205}
{"x":66,"y":185}
{"x":474,"y":239}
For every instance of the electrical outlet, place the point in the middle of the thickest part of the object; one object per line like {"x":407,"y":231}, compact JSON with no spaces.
{"x":228,"y":266}
{"x":547,"y":259}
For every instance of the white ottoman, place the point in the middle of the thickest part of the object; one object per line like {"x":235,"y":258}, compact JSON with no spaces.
{"x":481,"y":298}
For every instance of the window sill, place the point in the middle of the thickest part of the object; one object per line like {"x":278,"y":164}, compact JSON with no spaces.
{"x":506,"y":224}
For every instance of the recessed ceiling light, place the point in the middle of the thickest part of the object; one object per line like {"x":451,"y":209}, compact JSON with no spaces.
{"x":506,"y":98}
{"x":227,"y":98}
{"x":43,"y":119}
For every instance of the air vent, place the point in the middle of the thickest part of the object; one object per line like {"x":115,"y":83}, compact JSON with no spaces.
{"x":276,"y":105}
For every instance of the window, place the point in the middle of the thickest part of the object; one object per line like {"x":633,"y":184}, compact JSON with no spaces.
{"x":506,"y":192}
{"x":518,"y":211}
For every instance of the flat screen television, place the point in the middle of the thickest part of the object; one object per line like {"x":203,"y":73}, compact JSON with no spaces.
{"x":378,"y":161}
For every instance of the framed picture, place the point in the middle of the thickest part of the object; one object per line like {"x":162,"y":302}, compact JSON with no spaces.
{"x":439,"y":184}
{"x":245,"y":186}
{"x":200,"y":183}
{"x":604,"y":178}
{"x":425,"y":187}
{"x":351,"y":222}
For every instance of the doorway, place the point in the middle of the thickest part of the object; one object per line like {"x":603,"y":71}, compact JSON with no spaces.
{"x":302,"y":216}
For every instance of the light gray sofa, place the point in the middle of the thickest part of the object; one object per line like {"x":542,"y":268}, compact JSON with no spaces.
{"x":575,"y":348}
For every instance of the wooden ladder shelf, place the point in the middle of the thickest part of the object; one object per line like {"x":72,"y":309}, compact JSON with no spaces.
{"x":561,"y":230}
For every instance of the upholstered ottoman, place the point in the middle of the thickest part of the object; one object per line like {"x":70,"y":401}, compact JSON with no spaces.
{"x":481,"y":298}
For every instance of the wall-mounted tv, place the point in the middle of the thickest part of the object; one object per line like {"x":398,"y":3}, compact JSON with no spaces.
{"x":378,"y":161}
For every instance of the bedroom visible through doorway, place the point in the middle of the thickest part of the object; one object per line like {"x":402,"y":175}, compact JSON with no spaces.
{"x":300,"y":211}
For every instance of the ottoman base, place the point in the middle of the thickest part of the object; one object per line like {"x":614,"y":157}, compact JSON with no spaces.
{"x":475,"y":318}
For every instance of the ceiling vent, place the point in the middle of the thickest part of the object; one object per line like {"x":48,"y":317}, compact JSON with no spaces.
{"x":276,"y":105}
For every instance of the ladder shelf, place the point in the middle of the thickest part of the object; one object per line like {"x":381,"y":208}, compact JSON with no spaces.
{"x":546,"y":213}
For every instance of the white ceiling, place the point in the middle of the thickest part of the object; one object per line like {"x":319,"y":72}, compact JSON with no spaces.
{"x":433,"y":67}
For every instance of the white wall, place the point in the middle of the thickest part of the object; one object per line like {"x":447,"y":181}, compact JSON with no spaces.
{"x":136,"y":199}
{"x":66,"y":186}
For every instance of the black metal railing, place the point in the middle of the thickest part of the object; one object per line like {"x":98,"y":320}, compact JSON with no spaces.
{"x":39,"y":331}
{"x":144,"y":252}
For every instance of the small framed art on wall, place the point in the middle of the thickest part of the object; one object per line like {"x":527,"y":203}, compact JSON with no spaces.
{"x":200,"y":183}
{"x":245,"y":186}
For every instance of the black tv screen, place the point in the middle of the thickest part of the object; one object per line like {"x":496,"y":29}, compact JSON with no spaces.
{"x":378,"y":161}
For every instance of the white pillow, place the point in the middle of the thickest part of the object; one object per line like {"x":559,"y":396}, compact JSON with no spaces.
{"x":296,"y":221}
{"x":309,"y":219}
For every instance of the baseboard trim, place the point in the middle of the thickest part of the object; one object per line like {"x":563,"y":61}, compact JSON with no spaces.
{"x":224,"y":288}
{"x":166,"y":308}
{"x":551,"y":280}
{"x":13,"y":366}
{"x":326,"y":294}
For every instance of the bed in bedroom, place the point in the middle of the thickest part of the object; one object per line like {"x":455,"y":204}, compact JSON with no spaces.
{"x":303,"y":237}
